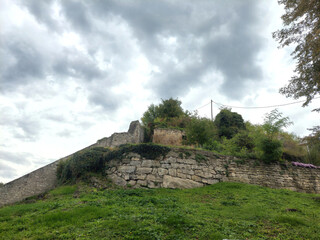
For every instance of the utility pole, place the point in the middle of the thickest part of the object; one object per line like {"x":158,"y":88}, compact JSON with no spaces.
{"x":211,"y":111}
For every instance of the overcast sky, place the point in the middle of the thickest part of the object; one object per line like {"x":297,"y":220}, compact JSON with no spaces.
{"x":73,"y":72}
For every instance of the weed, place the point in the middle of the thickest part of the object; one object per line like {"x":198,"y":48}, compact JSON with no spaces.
{"x":199,"y":157}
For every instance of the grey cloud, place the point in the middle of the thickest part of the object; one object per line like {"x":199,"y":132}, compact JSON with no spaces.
{"x":77,"y":65}
{"x":104,"y":98}
{"x":7,"y":171}
{"x":15,"y":157}
{"x":233,"y":54}
{"x":42,"y":10}
{"x":77,"y":14}
{"x":28,"y":63}
{"x":211,"y":36}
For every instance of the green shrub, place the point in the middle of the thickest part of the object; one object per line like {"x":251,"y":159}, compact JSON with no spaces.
{"x":146,"y":150}
{"x":272,"y":150}
{"x":79,"y":164}
{"x":200,"y":131}
{"x":228,"y":123}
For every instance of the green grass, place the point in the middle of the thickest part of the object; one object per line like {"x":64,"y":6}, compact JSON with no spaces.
{"x":224,"y":210}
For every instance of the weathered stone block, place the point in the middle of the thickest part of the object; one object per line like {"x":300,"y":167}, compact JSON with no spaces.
{"x":166,"y":165}
{"x":127,"y":169}
{"x":182,"y":175}
{"x":154,"y":178}
{"x":173,"y":172}
{"x":143,"y":170}
{"x":169,"y":160}
{"x":118,"y":180}
{"x":150,"y":163}
{"x":173,"y":182}
{"x":162,"y":171}
{"x":142,"y":183}
{"x":132,"y":182}
{"x":141,"y":177}
{"x":135,"y":163}
{"x":196,"y":178}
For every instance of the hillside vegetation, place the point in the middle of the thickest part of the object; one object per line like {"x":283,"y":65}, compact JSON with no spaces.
{"x":220,"y":211}
{"x":229,"y":134}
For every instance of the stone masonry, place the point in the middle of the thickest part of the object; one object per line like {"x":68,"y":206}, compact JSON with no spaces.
{"x":135,"y":134}
{"x":194,"y":168}
{"x":167,"y":136}
{"x":44,"y":179}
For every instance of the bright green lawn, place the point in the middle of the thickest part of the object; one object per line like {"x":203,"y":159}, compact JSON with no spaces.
{"x":224,"y":210}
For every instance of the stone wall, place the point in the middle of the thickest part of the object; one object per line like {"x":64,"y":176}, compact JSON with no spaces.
{"x":44,"y":179}
{"x":192,"y":168}
{"x":181,"y":168}
{"x":135,"y":134}
{"x":167,"y":136}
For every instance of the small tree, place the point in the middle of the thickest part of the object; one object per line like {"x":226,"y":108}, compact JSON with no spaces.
{"x":162,"y":115}
{"x":228,"y":123}
{"x":271,"y":145}
{"x":313,"y":145}
{"x":274,"y":122}
{"x":200,"y":131}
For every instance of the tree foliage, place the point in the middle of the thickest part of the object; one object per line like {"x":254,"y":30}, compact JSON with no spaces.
{"x":313,"y":145}
{"x":302,"y":28}
{"x":228,"y":123}
{"x":167,"y":109}
{"x":200,"y":130}
{"x":274,"y":122}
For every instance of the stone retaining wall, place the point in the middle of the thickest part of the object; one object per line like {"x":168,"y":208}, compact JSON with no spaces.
{"x":180,"y":168}
{"x":44,"y":179}
{"x":189,"y":169}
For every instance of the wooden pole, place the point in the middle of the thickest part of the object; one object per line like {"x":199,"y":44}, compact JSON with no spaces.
{"x":211,"y":111}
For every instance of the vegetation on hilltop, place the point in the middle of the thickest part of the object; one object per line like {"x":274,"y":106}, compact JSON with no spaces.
{"x":219,"y":211}
{"x":228,"y":134}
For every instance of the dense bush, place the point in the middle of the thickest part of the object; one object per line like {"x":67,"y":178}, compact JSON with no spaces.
{"x":228,"y":123}
{"x":79,"y":164}
{"x":272,"y":150}
{"x":200,"y":131}
{"x":94,"y":160}
{"x":146,"y":150}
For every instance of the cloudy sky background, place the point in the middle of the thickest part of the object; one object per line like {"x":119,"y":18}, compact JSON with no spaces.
{"x":73,"y":72}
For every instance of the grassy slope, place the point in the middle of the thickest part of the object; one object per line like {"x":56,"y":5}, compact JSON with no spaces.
{"x":224,"y":210}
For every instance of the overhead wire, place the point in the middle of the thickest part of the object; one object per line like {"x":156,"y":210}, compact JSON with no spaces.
{"x":257,"y":107}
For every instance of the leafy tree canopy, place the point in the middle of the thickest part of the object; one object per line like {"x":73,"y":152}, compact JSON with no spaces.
{"x":302,"y":28}
{"x":274,"y":122}
{"x":228,"y":123}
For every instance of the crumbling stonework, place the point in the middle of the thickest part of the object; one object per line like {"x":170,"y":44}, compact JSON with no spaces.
{"x":180,"y":168}
{"x":194,"y":168}
{"x":167,"y":136}
{"x":135,"y":134}
{"x":44,"y":179}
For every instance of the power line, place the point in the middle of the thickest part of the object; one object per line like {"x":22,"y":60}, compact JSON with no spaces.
{"x":272,"y":106}
{"x":203,"y":106}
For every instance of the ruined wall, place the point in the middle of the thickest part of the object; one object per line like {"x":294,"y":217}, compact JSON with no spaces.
{"x":135,"y":134}
{"x":167,"y":136}
{"x":34,"y":183}
{"x":181,"y":168}
{"x":44,"y":179}
{"x":193,"y":168}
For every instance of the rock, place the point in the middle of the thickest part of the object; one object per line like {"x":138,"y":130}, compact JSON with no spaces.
{"x":118,"y":180}
{"x":173,"y":182}
{"x":127,"y":169}
{"x":143,"y":170}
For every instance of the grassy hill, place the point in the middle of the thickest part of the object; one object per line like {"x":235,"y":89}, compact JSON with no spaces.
{"x":220,"y":211}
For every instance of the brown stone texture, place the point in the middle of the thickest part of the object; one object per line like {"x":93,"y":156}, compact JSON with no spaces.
{"x":167,"y":136}
{"x":178,"y":169}
{"x":135,"y":134}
